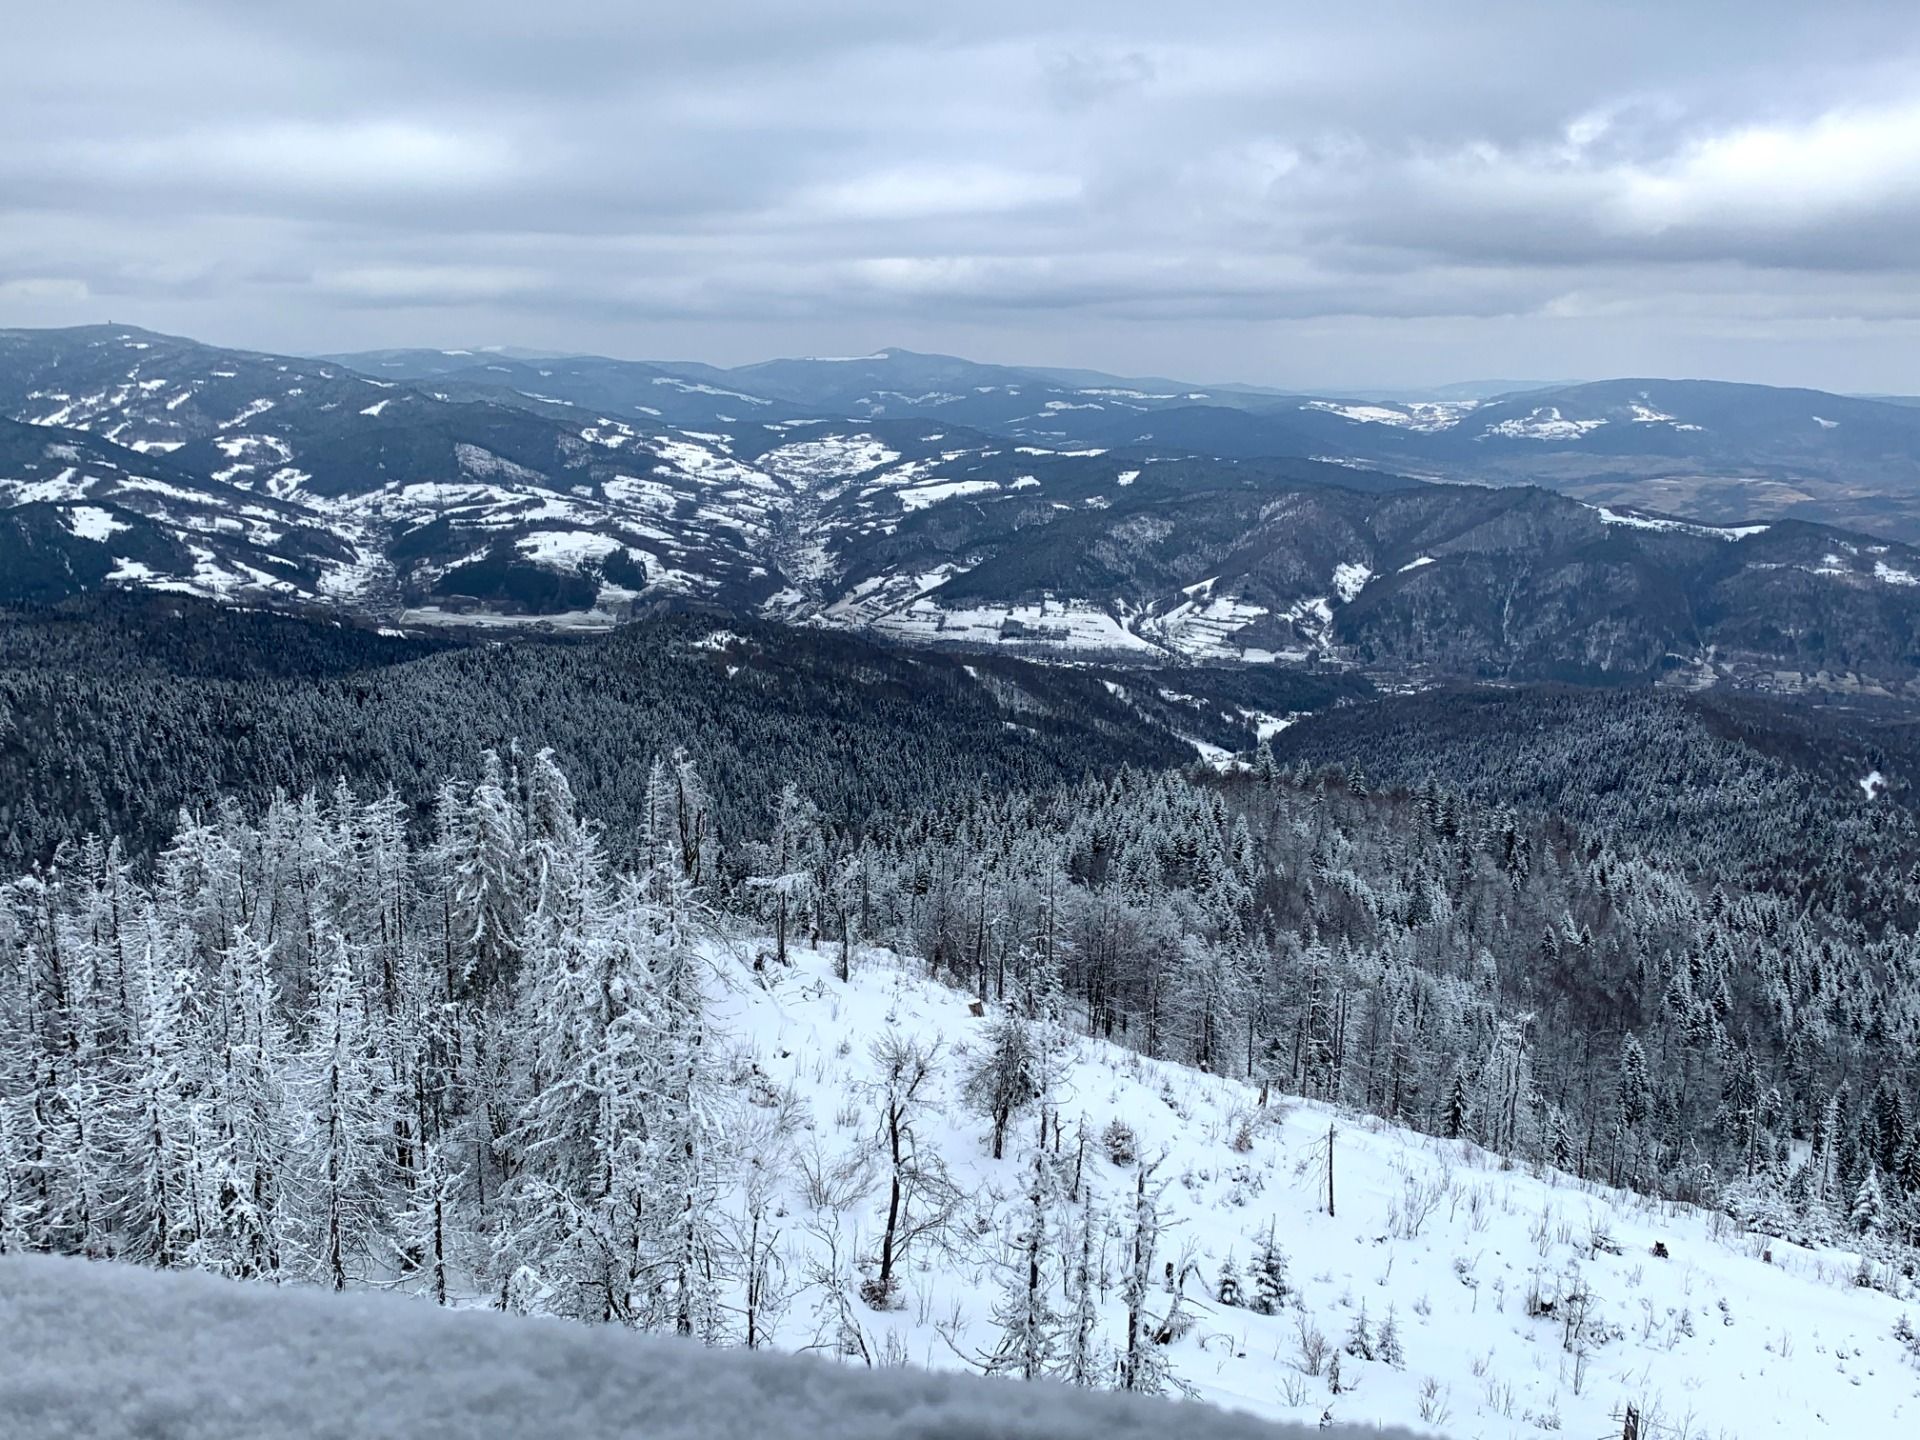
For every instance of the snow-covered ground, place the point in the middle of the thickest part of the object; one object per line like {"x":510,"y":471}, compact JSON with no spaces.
{"x":1524,"y":1303}
{"x":110,"y":1352}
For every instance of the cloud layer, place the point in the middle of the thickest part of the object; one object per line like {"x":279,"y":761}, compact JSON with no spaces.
{"x":1314,"y":195}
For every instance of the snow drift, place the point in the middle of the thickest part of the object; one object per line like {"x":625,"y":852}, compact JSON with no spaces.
{"x":106,"y":1351}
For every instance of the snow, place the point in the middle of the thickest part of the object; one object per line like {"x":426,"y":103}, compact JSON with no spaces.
{"x":113,"y":1352}
{"x":1126,"y":477}
{"x":247,"y":412}
{"x":1643,"y":413}
{"x":1726,"y":1334}
{"x":1067,"y":624}
{"x":1826,"y":424}
{"x":1457,"y":1286}
{"x":1204,"y":626}
{"x":1025,"y":482}
{"x":1683,"y":527}
{"x":706,"y":466}
{"x":565,"y":620}
{"x":566,"y":549}
{"x":483,"y":463}
{"x":146,"y":484}
{"x":69,"y":484}
{"x":1544,"y":423}
{"x":921,"y":496}
{"x":830,"y":457}
{"x":1415,"y":564}
{"x":690,"y":387}
{"x":377,"y":406}
{"x":1266,"y":726}
{"x":130,"y":571}
{"x":1349,"y":579}
{"x":1887,"y":574}
{"x":1425,"y":416}
{"x":90,"y":522}
{"x":1873,"y":783}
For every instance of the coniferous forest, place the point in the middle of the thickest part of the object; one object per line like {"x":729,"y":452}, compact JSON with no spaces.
{"x":456,"y":1039}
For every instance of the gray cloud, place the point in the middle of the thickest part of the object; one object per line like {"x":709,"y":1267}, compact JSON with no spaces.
{"x":1383,"y":194}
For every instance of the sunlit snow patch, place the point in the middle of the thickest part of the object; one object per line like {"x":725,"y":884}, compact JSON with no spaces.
{"x":1349,"y":579}
{"x":1544,"y":423}
{"x":921,"y":496}
{"x":90,"y":522}
{"x":1683,"y":527}
{"x":1423,"y":415}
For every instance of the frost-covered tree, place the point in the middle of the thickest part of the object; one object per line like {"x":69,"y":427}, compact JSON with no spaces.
{"x":1143,"y":1363}
{"x":1030,"y":1340}
{"x":788,"y":866}
{"x":918,"y":1195}
{"x":1084,"y":1356}
{"x":1004,"y":1078}
{"x":346,"y":1184}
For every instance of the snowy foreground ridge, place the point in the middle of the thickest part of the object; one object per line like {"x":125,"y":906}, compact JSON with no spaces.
{"x":112,"y":1352}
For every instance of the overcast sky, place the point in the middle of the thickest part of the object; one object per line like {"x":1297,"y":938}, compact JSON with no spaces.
{"x":1317,"y":196}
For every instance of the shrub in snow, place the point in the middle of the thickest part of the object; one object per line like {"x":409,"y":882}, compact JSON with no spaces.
{"x":1903,"y":1331}
{"x":1123,"y":1146}
{"x":1314,"y":1346}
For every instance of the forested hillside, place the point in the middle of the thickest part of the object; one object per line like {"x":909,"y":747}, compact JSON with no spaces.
{"x":1811,"y":802}
{"x":115,"y":713}
{"x":490,"y":1066}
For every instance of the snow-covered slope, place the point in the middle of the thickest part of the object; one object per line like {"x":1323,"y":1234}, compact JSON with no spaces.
{"x":1518,"y":1303}
{"x":109,"y":1352}
{"x":1523,"y":1303}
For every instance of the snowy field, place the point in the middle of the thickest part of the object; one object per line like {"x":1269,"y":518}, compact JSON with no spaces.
{"x":111,"y":1352}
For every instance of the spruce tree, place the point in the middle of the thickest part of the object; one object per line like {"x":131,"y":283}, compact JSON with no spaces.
{"x":1270,"y":1284}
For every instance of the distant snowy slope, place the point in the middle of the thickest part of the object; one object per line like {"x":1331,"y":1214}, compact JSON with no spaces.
{"x":111,"y":1352}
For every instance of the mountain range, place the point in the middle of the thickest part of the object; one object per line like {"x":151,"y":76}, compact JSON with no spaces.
{"x":1062,"y":513}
